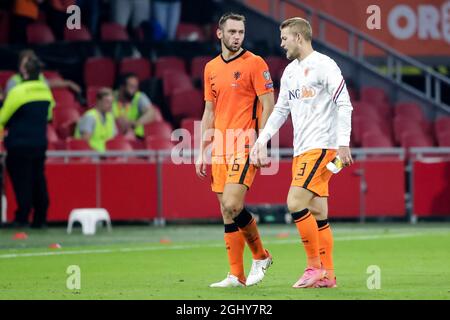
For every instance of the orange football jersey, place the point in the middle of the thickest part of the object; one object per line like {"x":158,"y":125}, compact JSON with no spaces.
{"x":234,"y":86}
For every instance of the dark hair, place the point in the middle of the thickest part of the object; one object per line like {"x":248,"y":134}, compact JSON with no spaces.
{"x":26,"y":53}
{"x":33,"y":68}
{"x":103,"y":92}
{"x":232,"y":16}
{"x":124,"y":78}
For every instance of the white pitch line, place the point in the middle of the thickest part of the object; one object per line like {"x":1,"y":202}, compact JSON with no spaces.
{"x":182,"y":247}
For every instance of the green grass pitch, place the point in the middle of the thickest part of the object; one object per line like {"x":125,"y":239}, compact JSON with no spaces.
{"x":179,"y":262}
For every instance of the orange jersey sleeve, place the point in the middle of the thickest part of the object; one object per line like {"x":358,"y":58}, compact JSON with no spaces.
{"x":262,"y":82}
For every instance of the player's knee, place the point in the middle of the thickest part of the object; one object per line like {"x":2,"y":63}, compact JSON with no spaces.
{"x":295,"y":206}
{"x":232,"y":208}
{"x":319,"y":214}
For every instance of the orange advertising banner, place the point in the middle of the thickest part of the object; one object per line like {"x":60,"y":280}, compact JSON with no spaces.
{"x":413,"y":27}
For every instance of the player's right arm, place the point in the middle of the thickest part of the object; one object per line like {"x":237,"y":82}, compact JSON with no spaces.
{"x":281,"y":110}
{"x":207,"y":125}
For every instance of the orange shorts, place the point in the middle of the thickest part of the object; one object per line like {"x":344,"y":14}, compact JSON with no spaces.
{"x":231,"y":169}
{"x":309,"y":170}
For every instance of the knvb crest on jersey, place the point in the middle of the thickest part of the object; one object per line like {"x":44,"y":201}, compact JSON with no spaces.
{"x":303,"y":93}
{"x":236,"y":75}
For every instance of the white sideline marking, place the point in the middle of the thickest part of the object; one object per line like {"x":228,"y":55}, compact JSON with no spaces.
{"x":181,"y":247}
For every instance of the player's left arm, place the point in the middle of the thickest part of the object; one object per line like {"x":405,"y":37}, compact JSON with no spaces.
{"x":267,"y":101}
{"x":336,"y":87}
{"x":263,"y":86}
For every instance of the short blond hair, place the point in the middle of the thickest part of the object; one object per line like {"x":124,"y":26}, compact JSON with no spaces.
{"x":298,"y":25}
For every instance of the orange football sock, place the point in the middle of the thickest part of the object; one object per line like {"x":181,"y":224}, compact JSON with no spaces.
{"x":248,"y":228}
{"x":309,"y":233}
{"x":235,"y":245}
{"x":326,"y":247}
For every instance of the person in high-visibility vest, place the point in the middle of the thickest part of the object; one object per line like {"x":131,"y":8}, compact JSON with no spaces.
{"x":25,"y":113}
{"x":131,"y":107}
{"x":97,"y":124}
{"x":54,"y":83}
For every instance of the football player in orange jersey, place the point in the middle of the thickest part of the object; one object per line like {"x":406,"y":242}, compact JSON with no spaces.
{"x":238,"y":100}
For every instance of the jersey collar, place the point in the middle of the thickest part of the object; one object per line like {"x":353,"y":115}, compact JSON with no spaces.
{"x":234,"y":58}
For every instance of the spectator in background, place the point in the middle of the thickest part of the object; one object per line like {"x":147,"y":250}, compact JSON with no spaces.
{"x":97,"y":124}
{"x":131,"y":107}
{"x":57,"y":16}
{"x":138,"y":11}
{"x":90,"y":14}
{"x":25,"y":113}
{"x":167,"y":14}
{"x":24,"y":56}
{"x":25,"y":12}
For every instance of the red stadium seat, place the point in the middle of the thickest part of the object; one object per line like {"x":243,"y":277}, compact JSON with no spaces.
{"x":409,"y":110}
{"x":74,"y":35}
{"x":158,"y":143}
{"x":137,"y":144}
{"x":403,"y":124}
{"x":444,"y":139}
{"x":190,"y":32}
{"x":100,"y":72}
{"x":362,"y":124}
{"x":442,"y":126}
{"x":373,"y":95}
{"x":39,"y":33}
{"x":158,"y":129}
{"x":383,"y":109}
{"x":119,"y":144}
{"x":78,"y":144}
{"x":198,"y":66}
{"x":415,"y":139}
{"x":63,"y":98}
{"x":110,"y":31}
{"x":187,"y":103}
{"x":4,"y":77}
{"x":175,"y":81}
{"x":373,"y":139}
{"x":65,"y":121}
{"x":169,"y":63}
{"x":364,"y":109}
{"x":139,"y":66}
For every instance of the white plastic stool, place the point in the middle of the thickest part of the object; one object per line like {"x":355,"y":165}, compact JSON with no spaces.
{"x":88,"y":217}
